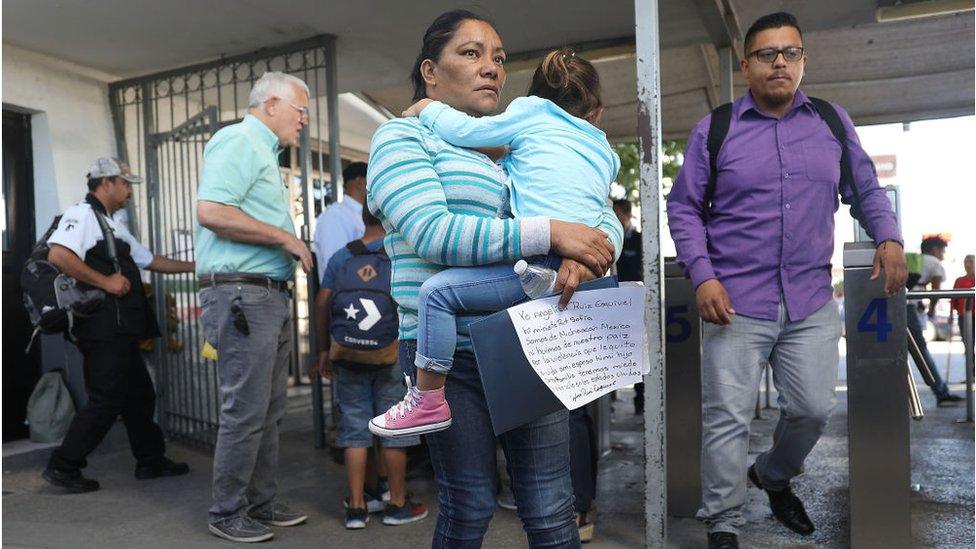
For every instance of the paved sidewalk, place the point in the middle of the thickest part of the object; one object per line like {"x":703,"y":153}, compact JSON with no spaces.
{"x":172,"y":512}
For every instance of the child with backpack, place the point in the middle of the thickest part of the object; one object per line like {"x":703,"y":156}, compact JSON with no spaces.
{"x":357,"y":335}
{"x":560,"y":165}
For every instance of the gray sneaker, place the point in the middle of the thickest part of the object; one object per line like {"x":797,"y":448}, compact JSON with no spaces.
{"x":242,"y":529}
{"x":278,"y":514}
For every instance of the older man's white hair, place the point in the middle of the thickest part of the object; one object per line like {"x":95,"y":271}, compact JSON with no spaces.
{"x":274,"y":84}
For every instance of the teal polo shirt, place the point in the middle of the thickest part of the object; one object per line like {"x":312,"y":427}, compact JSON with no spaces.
{"x":240,"y":169}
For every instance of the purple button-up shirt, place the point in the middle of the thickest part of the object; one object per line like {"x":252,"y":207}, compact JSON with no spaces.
{"x":770,"y":235}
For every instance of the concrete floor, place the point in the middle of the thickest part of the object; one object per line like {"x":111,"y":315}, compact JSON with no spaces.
{"x":172,"y":512}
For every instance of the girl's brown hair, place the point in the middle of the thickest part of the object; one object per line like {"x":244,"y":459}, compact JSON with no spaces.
{"x":570,"y":82}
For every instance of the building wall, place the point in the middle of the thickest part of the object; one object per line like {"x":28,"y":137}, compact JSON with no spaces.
{"x":71,"y":124}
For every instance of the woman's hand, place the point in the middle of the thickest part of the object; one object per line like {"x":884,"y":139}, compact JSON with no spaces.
{"x":584,"y":244}
{"x":570,"y":275}
{"x":416,"y":108}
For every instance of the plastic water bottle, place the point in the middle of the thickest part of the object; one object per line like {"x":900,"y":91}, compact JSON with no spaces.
{"x":536,"y":281}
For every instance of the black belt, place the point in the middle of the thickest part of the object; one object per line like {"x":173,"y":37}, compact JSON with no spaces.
{"x":219,"y":279}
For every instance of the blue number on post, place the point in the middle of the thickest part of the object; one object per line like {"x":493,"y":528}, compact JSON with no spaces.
{"x":881,"y":328}
{"x":683,"y":326}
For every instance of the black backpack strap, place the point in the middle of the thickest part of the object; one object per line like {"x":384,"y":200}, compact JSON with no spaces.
{"x":836,"y":125}
{"x":718,"y":128}
{"x":109,"y":237}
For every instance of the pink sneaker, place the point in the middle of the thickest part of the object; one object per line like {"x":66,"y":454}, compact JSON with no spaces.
{"x":419,"y":413}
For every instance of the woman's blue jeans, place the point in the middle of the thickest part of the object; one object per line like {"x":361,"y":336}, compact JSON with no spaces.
{"x":463,"y":458}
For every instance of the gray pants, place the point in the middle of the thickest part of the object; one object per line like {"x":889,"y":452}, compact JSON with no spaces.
{"x":253,"y":373}
{"x":804,"y":359}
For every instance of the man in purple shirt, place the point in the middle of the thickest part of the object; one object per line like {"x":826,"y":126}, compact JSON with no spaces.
{"x":758,"y":248}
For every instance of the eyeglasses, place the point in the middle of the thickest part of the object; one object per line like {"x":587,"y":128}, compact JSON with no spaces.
{"x":300,"y":109}
{"x":791,"y":54}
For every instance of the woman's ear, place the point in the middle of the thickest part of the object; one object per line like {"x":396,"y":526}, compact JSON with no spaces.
{"x":428,"y":72}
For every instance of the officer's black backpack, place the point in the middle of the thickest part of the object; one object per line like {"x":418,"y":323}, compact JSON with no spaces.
{"x":53,"y":300}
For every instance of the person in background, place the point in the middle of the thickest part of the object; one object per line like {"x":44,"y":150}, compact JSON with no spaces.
{"x":338,"y":225}
{"x":630,"y":267}
{"x":367,"y":379}
{"x":116,"y":378}
{"x":757,"y":245}
{"x":342,"y":222}
{"x":246,"y":251}
{"x":933,"y":274}
{"x":959,"y":304}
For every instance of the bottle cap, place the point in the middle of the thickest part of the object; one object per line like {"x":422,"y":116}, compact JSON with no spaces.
{"x":521,"y":266}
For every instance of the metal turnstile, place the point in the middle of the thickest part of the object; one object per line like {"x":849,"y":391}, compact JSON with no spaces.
{"x":878,"y":406}
{"x":683,"y":389}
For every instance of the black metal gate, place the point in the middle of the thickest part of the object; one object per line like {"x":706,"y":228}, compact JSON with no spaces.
{"x":162,"y":123}
{"x":189,"y":405}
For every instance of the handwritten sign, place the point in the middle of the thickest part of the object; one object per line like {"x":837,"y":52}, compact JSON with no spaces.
{"x":593,"y":347}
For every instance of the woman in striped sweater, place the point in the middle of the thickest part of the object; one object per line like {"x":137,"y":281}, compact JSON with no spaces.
{"x":438,"y":203}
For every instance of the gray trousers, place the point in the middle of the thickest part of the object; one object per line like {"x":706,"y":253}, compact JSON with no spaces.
{"x":804,"y":359}
{"x":253,"y":374}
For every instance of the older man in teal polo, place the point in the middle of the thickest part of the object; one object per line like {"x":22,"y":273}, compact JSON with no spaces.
{"x":246,"y":250}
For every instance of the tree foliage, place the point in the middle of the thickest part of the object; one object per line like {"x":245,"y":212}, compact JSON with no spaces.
{"x":628,"y":178}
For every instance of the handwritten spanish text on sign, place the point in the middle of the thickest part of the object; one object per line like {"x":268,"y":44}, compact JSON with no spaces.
{"x":593,"y":347}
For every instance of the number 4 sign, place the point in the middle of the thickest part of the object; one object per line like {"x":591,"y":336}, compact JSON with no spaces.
{"x":878,"y":309}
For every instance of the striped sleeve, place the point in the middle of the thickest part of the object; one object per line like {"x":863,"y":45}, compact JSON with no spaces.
{"x":405,"y":192}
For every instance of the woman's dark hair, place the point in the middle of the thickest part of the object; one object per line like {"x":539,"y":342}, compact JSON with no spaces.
{"x":438,"y":34}
{"x":570,"y":82}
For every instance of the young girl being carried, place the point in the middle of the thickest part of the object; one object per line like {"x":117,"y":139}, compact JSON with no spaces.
{"x":559,"y":165}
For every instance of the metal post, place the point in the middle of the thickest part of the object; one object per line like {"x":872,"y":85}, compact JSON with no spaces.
{"x":877,"y":391}
{"x":683,"y":389}
{"x":914,"y":401}
{"x":949,"y":327}
{"x":923,"y":366}
{"x":156,"y":244}
{"x":332,"y":108}
{"x":335,"y":158}
{"x":649,"y":130}
{"x":305,"y":162}
{"x":726,"y":68}
{"x":967,"y":343}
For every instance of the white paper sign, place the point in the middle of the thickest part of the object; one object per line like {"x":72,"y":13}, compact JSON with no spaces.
{"x":593,"y":347}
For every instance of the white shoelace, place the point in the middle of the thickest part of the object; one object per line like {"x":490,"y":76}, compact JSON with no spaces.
{"x":409,"y":401}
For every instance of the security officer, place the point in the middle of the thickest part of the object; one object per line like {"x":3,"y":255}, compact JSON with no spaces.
{"x":115,"y":374}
